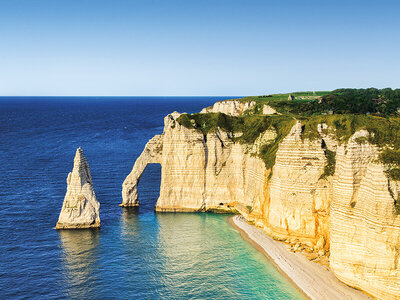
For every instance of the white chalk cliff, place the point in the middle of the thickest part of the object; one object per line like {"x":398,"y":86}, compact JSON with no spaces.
{"x":80,"y":208}
{"x":349,"y":217}
{"x":229,"y":107}
{"x":268,"y":110}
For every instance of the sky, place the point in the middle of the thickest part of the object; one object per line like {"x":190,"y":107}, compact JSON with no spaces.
{"x":190,"y":47}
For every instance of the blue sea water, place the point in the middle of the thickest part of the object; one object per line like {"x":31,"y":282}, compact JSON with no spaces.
{"x":136,"y":254}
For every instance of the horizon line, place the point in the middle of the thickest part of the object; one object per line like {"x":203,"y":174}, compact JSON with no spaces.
{"x":20,"y":96}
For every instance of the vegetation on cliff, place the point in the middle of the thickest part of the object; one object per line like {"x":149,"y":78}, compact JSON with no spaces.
{"x":329,"y":168}
{"x":245,"y":129}
{"x":343,"y":111}
{"x":362,"y":101}
{"x":248,"y":127}
{"x":391,"y":158}
{"x":341,"y":101}
{"x":384,"y":132}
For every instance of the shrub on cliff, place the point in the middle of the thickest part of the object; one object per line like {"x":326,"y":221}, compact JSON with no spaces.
{"x":250,"y":128}
{"x":329,"y":168}
{"x":391,"y":158}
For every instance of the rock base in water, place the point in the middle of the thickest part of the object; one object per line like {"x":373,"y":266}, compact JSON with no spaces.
{"x":80,"y":208}
{"x":77,"y":226}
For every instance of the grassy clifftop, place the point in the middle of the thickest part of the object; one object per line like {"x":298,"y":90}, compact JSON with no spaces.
{"x":370,"y":109}
{"x":340,"y":101}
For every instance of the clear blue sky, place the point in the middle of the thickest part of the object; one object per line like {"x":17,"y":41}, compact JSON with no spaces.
{"x":150,"y":47}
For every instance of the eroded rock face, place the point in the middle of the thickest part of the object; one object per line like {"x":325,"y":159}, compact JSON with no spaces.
{"x":364,"y":225}
{"x":199,"y":172}
{"x":350,"y":216}
{"x":80,"y":208}
{"x":268,"y":110}
{"x":151,"y":154}
{"x":206,"y":172}
{"x":298,"y":198}
{"x":229,"y":107}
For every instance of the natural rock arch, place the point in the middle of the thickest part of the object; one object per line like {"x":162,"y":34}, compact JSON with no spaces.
{"x":150,"y":155}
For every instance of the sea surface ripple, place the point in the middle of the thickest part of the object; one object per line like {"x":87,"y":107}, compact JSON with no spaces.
{"x":137,"y":254}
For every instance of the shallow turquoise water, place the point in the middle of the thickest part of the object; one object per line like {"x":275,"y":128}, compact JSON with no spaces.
{"x":136,"y":254}
{"x":169,"y":256}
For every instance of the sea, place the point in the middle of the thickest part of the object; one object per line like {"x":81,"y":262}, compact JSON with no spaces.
{"x":137,"y":254}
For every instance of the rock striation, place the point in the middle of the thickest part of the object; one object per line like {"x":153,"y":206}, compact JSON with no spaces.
{"x":151,"y":154}
{"x":365,"y":228}
{"x":229,"y":107}
{"x":349,"y":217}
{"x":80,"y":208}
{"x":199,"y":172}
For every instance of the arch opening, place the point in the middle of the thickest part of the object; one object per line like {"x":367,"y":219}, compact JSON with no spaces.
{"x":149,"y":187}
{"x":151,"y":154}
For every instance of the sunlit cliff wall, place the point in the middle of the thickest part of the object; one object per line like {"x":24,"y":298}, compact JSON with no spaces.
{"x":349,"y":216}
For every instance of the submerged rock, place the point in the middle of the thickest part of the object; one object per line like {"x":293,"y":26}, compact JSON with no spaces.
{"x":80,"y":208}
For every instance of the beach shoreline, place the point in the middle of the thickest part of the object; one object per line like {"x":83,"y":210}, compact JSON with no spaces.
{"x":311,"y":279}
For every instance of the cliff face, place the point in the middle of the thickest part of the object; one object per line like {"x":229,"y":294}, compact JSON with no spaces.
{"x":268,"y":110}
{"x":296,"y":202}
{"x":199,"y":172}
{"x":365,"y":228}
{"x":80,"y":207}
{"x":151,"y":154}
{"x":350,"y":215}
{"x":229,"y":107}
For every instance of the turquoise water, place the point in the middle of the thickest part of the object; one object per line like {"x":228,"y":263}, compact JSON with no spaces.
{"x":137,"y":254}
{"x":169,"y":256}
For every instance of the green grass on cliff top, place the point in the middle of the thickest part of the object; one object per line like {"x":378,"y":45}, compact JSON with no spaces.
{"x":383,"y":124}
{"x":300,"y":96}
{"x":341,"y":101}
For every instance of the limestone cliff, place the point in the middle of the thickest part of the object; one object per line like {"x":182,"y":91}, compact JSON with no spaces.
{"x":296,"y":206}
{"x":348,"y":215}
{"x":199,"y":172}
{"x":365,"y":227}
{"x":80,"y":208}
{"x":229,"y":107}
{"x":268,"y":110}
{"x":150,"y":154}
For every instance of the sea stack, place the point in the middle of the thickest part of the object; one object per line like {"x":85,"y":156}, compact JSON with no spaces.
{"x":80,"y":208}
